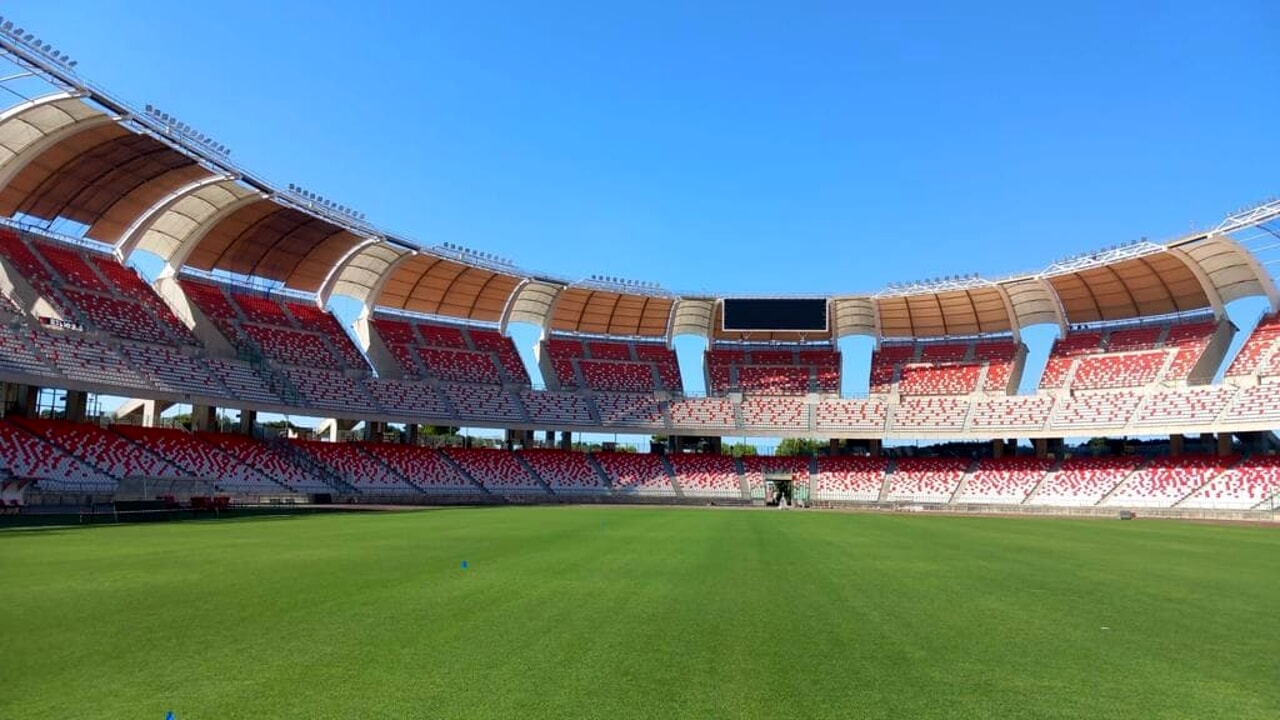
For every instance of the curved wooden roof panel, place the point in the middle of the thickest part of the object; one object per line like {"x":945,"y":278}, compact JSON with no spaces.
{"x":272,"y":241}
{"x":532,"y":302}
{"x":1155,"y":284}
{"x":362,"y":273}
{"x":183,"y":221}
{"x":603,"y":312}
{"x":970,"y":311}
{"x":433,"y":285}
{"x":103,"y":176}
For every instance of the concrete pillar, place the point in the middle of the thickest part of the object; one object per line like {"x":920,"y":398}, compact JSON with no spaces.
{"x":997,"y":448}
{"x":204,"y":418}
{"x":26,"y":401}
{"x":1177,"y":445}
{"x":373,"y":430}
{"x":247,"y":420}
{"x":874,"y":446}
{"x":150,"y":413}
{"x":1042,"y":447}
{"x":77,"y":403}
{"x":1224,"y":444}
{"x":566,"y":440}
{"x":412,"y":432}
{"x":550,"y":438}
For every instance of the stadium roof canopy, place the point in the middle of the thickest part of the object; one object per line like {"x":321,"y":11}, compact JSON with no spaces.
{"x":145,"y":181}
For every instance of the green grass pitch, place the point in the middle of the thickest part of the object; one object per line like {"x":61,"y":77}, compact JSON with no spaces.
{"x":640,"y":613}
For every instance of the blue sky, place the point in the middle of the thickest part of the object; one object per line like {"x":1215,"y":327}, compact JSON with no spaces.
{"x":737,"y":147}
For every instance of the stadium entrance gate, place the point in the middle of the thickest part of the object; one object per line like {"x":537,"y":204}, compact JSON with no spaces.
{"x":794,"y":487}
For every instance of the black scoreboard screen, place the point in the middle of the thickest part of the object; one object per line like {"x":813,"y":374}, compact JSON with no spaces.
{"x":781,"y":314}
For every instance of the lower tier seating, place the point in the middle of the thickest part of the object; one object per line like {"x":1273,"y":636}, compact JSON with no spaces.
{"x":1165,"y":481}
{"x":1007,"y":481}
{"x":1082,"y":482}
{"x":845,"y":477}
{"x":27,"y":456}
{"x":634,"y":473}
{"x":200,"y":460}
{"x":498,"y":470}
{"x":359,"y":469}
{"x":565,"y":472}
{"x":706,"y":475}
{"x":261,"y":457}
{"x":1254,"y":483}
{"x":107,"y":451}
{"x":928,"y":480}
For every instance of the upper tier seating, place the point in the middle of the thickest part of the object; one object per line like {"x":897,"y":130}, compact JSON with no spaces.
{"x":706,"y":475}
{"x":1258,"y":354}
{"x":849,"y":477}
{"x":1007,"y":481}
{"x":776,"y":412}
{"x":930,"y":413}
{"x":451,"y":353}
{"x":328,"y":389}
{"x":1166,"y":480}
{"x":18,"y":354}
{"x":201,"y":460}
{"x":630,"y":366}
{"x":930,"y":480}
{"x":498,"y":470}
{"x":482,"y":402}
{"x":1192,"y":404}
{"x":1015,"y":412}
{"x":944,"y":368}
{"x":849,"y":414}
{"x":556,"y":408}
{"x":90,"y":361}
{"x":1260,"y":403}
{"x":1254,"y":483}
{"x":618,"y":409}
{"x":709,"y":413}
{"x":407,"y":398}
{"x":1083,"y":481}
{"x":776,"y":369}
{"x":633,"y":473}
{"x":565,"y":472}
{"x":242,"y":381}
{"x":1092,"y":411}
{"x":463,"y":366}
{"x":1118,"y":371}
{"x":94,"y":289}
{"x":267,"y":324}
{"x":172,"y":371}
{"x":1127,"y":357}
{"x":885,"y":363}
{"x":24,"y":455}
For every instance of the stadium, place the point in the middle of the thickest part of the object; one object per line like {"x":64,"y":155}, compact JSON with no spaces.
{"x":224,"y":566}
